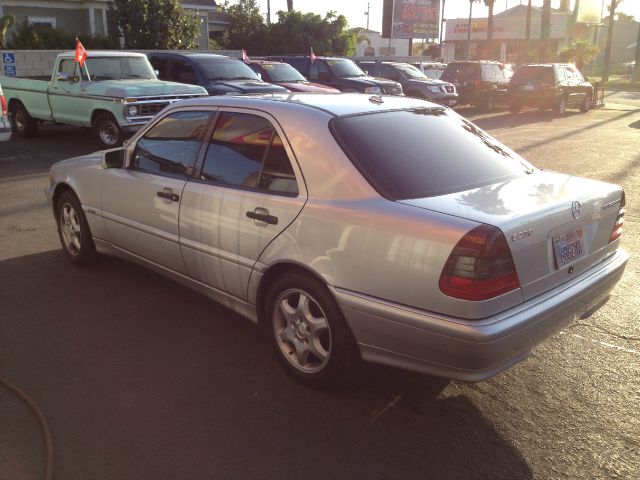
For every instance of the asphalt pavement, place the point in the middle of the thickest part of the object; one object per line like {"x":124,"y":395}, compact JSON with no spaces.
{"x":140,"y":378}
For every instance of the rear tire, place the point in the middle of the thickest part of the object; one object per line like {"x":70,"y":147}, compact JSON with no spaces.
{"x":515,"y":108}
{"x":107,"y":132}
{"x":489,"y":104}
{"x":23,"y":123}
{"x":73,"y":230}
{"x":308,"y":331}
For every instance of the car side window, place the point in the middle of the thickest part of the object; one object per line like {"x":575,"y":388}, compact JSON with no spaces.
{"x":387,"y":71}
{"x":162,"y":66}
{"x":318,"y":70}
{"x":246,"y":151}
{"x":562,"y":76}
{"x":487,"y":72}
{"x":171,"y":146}
{"x":68,"y":66}
{"x":498,"y":72}
{"x":183,"y":72}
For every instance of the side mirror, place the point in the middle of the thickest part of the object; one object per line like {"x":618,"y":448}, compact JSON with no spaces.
{"x":114,"y":158}
{"x":64,"y":77}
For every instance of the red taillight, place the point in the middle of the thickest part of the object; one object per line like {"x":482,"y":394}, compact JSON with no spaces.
{"x":3,"y":104}
{"x":480,"y":266}
{"x":477,"y":83}
{"x":617,"y":227}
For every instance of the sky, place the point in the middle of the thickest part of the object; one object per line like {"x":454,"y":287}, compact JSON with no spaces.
{"x":354,"y":9}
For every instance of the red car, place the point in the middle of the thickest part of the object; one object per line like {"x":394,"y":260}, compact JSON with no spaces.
{"x":286,"y":76}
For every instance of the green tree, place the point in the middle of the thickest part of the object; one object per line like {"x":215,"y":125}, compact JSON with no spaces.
{"x":247,"y":28}
{"x":295,"y":32}
{"x":580,"y":51}
{"x":155,"y":24}
{"x":6,"y":22}
{"x":45,"y":37}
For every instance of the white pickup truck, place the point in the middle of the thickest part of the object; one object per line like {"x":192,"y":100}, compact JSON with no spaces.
{"x":119,"y":94}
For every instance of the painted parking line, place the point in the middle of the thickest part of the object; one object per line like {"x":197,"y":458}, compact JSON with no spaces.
{"x":604,"y":344}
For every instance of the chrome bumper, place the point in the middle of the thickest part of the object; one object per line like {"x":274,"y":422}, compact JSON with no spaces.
{"x":467,"y":350}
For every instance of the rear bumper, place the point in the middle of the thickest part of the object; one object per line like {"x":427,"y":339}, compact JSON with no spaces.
{"x":466,"y":350}
{"x":5,"y":129}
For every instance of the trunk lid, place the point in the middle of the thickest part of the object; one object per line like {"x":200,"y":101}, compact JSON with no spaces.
{"x":557,"y":226}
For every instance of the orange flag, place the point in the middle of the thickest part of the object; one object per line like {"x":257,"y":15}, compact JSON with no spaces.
{"x":81,"y":53}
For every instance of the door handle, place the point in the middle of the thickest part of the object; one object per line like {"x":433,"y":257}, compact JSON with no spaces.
{"x":168,"y":194}
{"x":262,"y":214}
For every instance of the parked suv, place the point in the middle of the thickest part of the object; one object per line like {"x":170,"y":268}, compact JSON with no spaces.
{"x":340,"y":73}
{"x":283,"y":74}
{"x":5,"y":126}
{"x":218,"y":74}
{"x":480,"y":83}
{"x":414,"y":82}
{"x":556,"y":86}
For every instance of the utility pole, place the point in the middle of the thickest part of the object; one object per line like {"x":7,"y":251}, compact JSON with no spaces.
{"x":367,"y":14}
{"x":607,"y":50}
{"x":268,"y":12}
{"x":469,"y":31}
{"x":441,"y":28}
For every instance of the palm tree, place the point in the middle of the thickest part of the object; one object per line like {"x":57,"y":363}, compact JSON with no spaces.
{"x":527,"y":33}
{"x":289,"y":5}
{"x":490,"y":3}
{"x":469,"y":32}
{"x":636,"y":68}
{"x":545,"y":30}
{"x":607,"y":50}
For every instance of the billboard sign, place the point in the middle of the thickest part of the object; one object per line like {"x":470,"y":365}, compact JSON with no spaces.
{"x":414,"y":18}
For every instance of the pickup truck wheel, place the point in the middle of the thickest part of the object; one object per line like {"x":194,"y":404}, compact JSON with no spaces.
{"x":586,"y":103}
{"x":106,"y":131}
{"x":23,"y":123}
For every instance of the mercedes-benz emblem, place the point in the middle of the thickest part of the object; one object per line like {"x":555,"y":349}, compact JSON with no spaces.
{"x":576,"y":210}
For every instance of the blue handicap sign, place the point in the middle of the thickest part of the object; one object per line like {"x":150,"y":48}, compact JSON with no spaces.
{"x":9,"y":64}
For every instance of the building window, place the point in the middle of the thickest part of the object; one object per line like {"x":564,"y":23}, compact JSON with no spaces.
{"x":51,"y":21}
{"x":387,"y":51}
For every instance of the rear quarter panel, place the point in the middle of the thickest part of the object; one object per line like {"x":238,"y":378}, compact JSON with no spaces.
{"x":31,"y":93}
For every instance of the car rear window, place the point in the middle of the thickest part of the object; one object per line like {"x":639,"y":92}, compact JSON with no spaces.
{"x":424,"y":152}
{"x":456,"y":72}
{"x":526,"y":74}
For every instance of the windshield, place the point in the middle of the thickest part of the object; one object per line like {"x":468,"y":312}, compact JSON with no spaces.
{"x":225,"y":69}
{"x":282,"y":72}
{"x":119,"y":68}
{"x":342,"y":67}
{"x":410,"y":71}
{"x":425,"y":152}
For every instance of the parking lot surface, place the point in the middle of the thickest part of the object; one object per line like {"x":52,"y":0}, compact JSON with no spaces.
{"x":140,"y":378}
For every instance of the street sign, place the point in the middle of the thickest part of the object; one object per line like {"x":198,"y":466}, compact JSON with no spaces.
{"x":9,"y":64}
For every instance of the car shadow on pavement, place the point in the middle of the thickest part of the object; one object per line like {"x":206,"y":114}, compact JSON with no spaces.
{"x":526,"y":117}
{"x":142,"y":378}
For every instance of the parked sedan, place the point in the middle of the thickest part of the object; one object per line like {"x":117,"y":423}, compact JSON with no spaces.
{"x":283,"y":74}
{"x":455,"y":259}
{"x":556,"y":86}
{"x":5,"y":125}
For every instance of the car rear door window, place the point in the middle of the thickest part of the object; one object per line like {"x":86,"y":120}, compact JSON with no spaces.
{"x":246,"y":151}
{"x":487,"y":72}
{"x":172,"y":145}
{"x":424,"y":152}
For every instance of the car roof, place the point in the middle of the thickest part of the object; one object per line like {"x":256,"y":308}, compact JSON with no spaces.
{"x":103,"y":53}
{"x":191,"y":55}
{"x":267,"y":62}
{"x":334,"y":104}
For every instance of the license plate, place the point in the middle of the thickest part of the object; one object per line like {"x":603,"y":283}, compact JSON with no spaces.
{"x":528,"y":88}
{"x":568,"y":247}
{"x":452,"y":103}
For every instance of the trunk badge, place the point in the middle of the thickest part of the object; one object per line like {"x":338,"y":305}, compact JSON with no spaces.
{"x":575,"y":209}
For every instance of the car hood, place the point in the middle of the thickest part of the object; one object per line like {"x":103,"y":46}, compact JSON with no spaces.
{"x":532,"y":211}
{"x":220,"y":87}
{"x":140,"y":88}
{"x":427,"y":82}
{"x":308,"y":87}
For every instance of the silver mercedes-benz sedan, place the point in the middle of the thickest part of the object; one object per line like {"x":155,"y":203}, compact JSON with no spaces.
{"x":353,"y":227}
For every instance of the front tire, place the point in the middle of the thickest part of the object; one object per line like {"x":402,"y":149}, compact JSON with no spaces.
{"x":107,"y":132}
{"x":23,"y":123}
{"x":73,"y":230}
{"x":515,"y":108}
{"x":489,"y":104}
{"x":309,"y":333}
